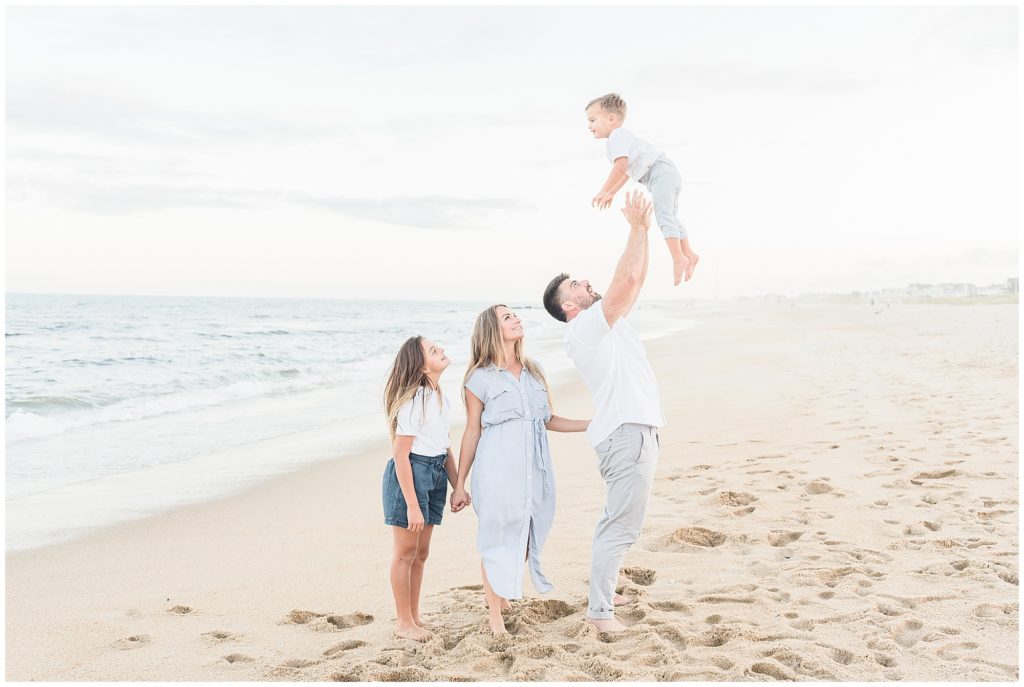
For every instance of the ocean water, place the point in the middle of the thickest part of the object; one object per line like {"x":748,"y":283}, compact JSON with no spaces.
{"x":119,"y":407}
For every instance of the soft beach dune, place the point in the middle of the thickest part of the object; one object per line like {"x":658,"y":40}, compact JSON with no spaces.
{"x":836,"y":500}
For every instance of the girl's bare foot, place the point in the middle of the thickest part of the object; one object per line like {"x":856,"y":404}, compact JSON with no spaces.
{"x":620,"y":600}
{"x":497,"y":625}
{"x":424,"y":625}
{"x":693,"y":258}
{"x":680,"y":265}
{"x":506,"y":605}
{"x":414,"y":632}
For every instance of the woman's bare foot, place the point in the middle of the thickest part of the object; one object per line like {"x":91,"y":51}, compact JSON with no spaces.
{"x":607,"y":625}
{"x":680,"y":265}
{"x":620,"y":600}
{"x":497,"y":624}
{"x":414,"y":632}
{"x":693,"y":259}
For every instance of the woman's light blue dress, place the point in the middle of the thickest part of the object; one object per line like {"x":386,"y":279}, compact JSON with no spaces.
{"x":512,"y":484}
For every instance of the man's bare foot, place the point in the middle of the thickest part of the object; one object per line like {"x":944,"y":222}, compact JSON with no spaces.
{"x":680,"y":263}
{"x":607,"y":625}
{"x":620,"y":600}
{"x":693,"y":259}
{"x":414,"y":632}
{"x":497,"y":625}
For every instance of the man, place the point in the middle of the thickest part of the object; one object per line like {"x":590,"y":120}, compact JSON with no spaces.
{"x":627,"y":410}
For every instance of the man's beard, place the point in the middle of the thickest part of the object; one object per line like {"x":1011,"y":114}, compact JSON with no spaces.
{"x":594,"y":298}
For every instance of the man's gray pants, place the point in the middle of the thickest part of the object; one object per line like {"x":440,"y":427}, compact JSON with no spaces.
{"x":626,"y":458}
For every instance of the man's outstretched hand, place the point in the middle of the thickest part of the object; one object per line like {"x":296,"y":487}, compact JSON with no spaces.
{"x":638,"y":210}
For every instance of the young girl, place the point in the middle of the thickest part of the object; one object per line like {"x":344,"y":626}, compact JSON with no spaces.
{"x":508,"y":413}
{"x":415,"y":480}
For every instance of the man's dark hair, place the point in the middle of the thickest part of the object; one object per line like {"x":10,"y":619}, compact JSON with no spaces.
{"x":552,"y":299}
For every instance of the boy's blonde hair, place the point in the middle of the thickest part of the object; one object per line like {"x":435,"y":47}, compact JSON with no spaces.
{"x":612,"y":102}
{"x":486,"y":348}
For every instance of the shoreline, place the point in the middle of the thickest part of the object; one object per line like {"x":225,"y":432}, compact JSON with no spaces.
{"x":93,"y":503}
{"x":795,"y":436}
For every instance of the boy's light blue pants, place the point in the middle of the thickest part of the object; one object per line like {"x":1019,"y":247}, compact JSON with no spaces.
{"x":663,"y":182}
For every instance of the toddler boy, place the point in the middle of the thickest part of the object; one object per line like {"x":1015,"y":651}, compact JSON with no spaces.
{"x":633,"y":157}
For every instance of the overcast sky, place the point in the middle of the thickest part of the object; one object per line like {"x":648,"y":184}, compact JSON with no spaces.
{"x":401,"y":152}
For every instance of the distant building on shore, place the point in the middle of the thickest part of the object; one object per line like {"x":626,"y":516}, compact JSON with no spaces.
{"x":947,"y":290}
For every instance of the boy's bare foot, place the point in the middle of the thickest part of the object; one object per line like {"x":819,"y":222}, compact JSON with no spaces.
{"x":607,"y":625}
{"x":692,"y":264}
{"x":414,"y":632}
{"x":680,"y":265}
{"x":497,"y":625}
{"x":620,"y":600}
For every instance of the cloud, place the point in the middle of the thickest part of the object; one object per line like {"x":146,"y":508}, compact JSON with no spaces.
{"x":429,"y":212}
{"x":118,"y":198}
{"x":55,"y":111}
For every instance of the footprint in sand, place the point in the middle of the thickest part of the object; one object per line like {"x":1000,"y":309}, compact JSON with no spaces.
{"x":324,"y":622}
{"x":735,"y":498}
{"x":937,"y":474}
{"x":297,"y":617}
{"x":907,"y":632}
{"x":694,"y":536}
{"x":238,"y":658}
{"x":180,"y":610}
{"x":218,"y":636}
{"x":337,"y":649}
{"x":955,"y":651}
{"x":781,"y":538}
{"x":133,"y":642}
{"x":818,"y":487}
{"x":669,"y":606}
{"x":343,"y":622}
{"x":642,"y":576}
{"x":772,"y":670}
{"x":885,"y":660}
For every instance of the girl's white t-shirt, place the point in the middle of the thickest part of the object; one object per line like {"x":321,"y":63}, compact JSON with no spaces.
{"x":422,"y":418}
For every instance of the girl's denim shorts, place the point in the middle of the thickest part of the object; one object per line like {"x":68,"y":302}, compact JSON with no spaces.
{"x":431,"y":482}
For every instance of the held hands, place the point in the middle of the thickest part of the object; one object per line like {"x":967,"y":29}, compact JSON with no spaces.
{"x":602,"y":200}
{"x":638,"y":210}
{"x":460,"y":499}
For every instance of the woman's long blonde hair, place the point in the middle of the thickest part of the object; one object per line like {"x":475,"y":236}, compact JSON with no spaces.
{"x":486,"y":347}
{"x":405,"y":378}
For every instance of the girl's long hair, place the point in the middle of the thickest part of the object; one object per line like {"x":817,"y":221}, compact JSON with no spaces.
{"x":405,"y":378}
{"x":486,"y":347}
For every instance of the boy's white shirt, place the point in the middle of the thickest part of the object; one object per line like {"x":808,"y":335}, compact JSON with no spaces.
{"x":421,"y":418}
{"x":641,"y":154}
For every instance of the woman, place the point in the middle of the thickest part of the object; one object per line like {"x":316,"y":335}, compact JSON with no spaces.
{"x":507,"y":412}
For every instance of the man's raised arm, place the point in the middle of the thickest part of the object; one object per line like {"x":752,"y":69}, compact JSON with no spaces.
{"x":632,"y":268}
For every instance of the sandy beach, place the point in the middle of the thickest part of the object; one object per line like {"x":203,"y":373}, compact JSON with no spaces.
{"x":836,"y":499}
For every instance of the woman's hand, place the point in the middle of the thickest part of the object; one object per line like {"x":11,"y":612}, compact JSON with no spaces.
{"x":460,"y":499}
{"x":414,"y":516}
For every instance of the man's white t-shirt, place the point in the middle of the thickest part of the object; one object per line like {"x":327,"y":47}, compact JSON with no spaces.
{"x":641,"y":154}
{"x":614,"y":366}
{"x":421,"y":417}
